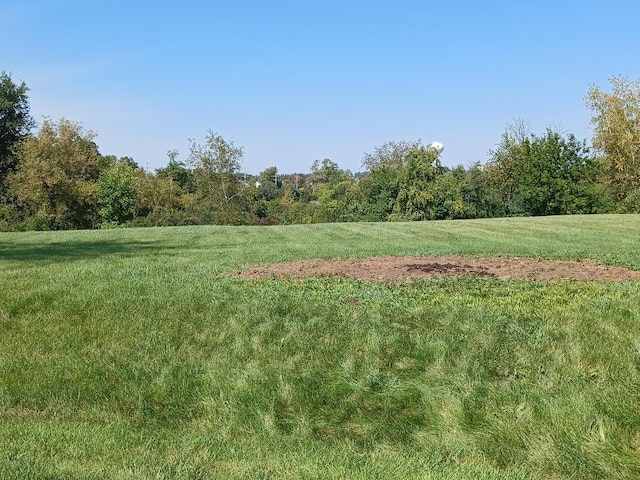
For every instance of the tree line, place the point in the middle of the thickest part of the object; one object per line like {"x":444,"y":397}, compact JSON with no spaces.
{"x":56,"y":178}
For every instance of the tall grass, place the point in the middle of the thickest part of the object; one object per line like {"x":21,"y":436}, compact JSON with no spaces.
{"x":132,"y":354}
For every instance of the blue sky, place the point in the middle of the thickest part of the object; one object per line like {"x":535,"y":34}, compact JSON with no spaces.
{"x":295,"y":81}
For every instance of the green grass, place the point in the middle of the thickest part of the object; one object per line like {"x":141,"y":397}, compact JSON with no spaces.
{"x":132,"y":354}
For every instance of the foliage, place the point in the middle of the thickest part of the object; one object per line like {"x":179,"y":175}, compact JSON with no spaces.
{"x":15,"y":124}
{"x":222,"y":198}
{"x":55,"y":183}
{"x":178,"y":173}
{"x":502,"y":170}
{"x":389,"y":154}
{"x":380,"y":188}
{"x":416,"y":188}
{"x":269,"y":185}
{"x":616,"y":123}
{"x":482,"y":195}
{"x":415,"y":196}
{"x":287,"y":209}
{"x":116,"y":193}
{"x":161,"y":201}
{"x":339,"y":202}
{"x":58,"y":180}
{"x":451,"y":196}
{"x":548,"y":175}
{"x":326,"y":173}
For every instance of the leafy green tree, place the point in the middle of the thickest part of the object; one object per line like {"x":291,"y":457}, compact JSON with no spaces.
{"x":15,"y":124}
{"x":558,"y":176}
{"x":339,"y":202}
{"x":389,"y":154}
{"x":55,"y":185}
{"x":544,"y":175}
{"x":106,"y":161}
{"x":268,"y":184}
{"x":333,"y":192}
{"x":616,"y":134}
{"x":416,"y":195}
{"x":178,"y":172}
{"x":483,"y":196}
{"x":222,"y":197}
{"x":327,"y":172}
{"x":160,"y":201}
{"x":116,"y":193}
{"x":379,"y":189}
{"x":287,"y":210}
{"x":506,"y":163}
{"x":394,"y":187}
{"x":450,"y":194}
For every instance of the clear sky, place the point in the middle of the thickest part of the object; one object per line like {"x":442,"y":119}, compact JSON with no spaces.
{"x":295,"y":81}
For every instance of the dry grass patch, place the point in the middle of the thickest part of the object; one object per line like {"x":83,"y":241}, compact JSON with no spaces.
{"x":405,"y":269}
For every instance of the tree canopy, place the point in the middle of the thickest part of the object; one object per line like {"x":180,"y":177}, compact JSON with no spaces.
{"x":15,"y":123}
{"x":58,"y":179}
{"x":55,"y":181}
{"x":616,"y":135}
{"x":216,"y":165}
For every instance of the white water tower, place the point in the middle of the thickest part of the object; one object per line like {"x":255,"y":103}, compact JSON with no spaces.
{"x":436,"y":147}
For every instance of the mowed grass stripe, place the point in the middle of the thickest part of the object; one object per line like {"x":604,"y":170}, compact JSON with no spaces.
{"x":606,"y":238}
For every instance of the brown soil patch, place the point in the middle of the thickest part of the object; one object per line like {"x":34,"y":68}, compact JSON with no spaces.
{"x":405,"y":269}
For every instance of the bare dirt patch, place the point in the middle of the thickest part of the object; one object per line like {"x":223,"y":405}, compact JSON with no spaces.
{"x":406,"y":269}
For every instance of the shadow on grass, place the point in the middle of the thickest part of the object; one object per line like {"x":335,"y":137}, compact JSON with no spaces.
{"x":77,"y":250}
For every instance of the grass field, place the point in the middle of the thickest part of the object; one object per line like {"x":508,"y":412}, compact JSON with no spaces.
{"x":131,"y":354}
